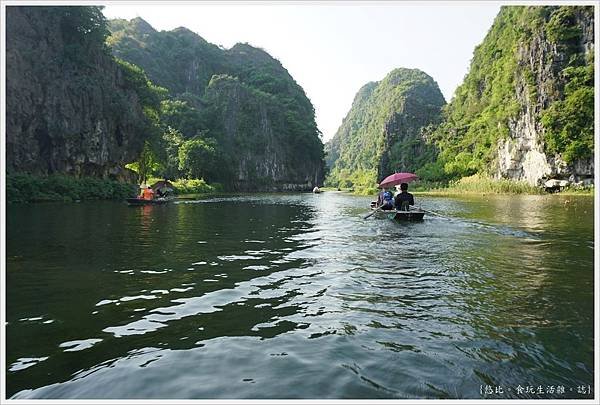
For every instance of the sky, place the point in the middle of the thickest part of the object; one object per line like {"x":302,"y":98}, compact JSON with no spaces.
{"x":332,"y":49}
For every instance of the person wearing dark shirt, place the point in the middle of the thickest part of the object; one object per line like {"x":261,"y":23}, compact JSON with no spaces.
{"x":404,"y":198}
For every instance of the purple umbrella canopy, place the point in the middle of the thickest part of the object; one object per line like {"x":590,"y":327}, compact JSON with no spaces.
{"x":397,"y":178}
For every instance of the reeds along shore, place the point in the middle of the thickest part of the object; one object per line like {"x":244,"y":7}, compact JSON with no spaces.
{"x":475,"y":184}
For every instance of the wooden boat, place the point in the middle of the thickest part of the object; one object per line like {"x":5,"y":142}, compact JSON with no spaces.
{"x":157,"y":201}
{"x":412,"y":215}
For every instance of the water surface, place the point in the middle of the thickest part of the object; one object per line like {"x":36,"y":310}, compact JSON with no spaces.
{"x":298,"y":296}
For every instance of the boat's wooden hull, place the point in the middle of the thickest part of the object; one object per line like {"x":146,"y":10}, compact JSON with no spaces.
{"x":413,"y":215}
{"x":141,"y":201}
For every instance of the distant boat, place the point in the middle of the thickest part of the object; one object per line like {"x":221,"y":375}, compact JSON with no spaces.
{"x":316,"y":190}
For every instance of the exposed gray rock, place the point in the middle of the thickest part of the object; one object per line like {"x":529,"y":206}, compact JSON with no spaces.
{"x":65,"y":113}
{"x":522,"y":155}
{"x":261,"y":160}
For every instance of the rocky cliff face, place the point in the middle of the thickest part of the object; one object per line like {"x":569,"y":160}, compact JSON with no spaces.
{"x":68,"y":107}
{"x":525,"y":110}
{"x":522,"y":155}
{"x":384,"y":130}
{"x":261,"y":118}
{"x":247,"y":121}
{"x":350,"y":122}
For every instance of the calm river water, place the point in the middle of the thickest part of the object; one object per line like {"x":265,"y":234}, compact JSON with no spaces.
{"x":298,"y":296}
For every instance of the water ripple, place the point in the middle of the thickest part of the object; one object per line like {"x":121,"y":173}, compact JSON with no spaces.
{"x":356,"y":308}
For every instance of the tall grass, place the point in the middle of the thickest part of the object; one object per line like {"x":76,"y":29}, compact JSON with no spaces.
{"x":477,"y":184}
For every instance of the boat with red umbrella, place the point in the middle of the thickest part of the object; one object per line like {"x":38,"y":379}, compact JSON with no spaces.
{"x":396,"y":214}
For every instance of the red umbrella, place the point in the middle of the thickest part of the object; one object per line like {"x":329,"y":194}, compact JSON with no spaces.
{"x":397,"y":178}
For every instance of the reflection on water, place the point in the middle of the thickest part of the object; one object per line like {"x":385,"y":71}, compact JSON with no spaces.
{"x":297,"y":296}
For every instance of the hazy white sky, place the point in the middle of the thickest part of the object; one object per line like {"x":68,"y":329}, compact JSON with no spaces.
{"x":334,"y":48}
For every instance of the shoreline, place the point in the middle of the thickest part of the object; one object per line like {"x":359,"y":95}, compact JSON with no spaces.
{"x":23,"y":188}
{"x":453,"y":192}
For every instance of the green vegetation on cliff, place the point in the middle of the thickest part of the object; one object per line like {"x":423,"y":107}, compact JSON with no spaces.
{"x":159,"y":103}
{"x":171,"y":104}
{"x":530,"y":64}
{"x":525,"y":108}
{"x":234,"y":116}
{"x":385,"y":130}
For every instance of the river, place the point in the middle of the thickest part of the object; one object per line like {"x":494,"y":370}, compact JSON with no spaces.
{"x":298,"y":296}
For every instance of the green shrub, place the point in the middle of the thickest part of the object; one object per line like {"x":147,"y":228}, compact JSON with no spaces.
{"x":195,"y":186}
{"x":22,"y":187}
{"x":569,"y":123}
{"x":562,"y":27}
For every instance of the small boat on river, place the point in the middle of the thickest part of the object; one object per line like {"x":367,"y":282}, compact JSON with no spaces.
{"x":156,"y":201}
{"x":397,"y":215}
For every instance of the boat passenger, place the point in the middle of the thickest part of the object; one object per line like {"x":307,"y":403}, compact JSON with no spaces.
{"x":404,"y":199}
{"x":385,"y":200}
{"x":148,"y":193}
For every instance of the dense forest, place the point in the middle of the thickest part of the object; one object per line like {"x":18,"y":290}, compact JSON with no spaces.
{"x":525,"y":110}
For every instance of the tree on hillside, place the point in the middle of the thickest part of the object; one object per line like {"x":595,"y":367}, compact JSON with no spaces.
{"x":198,"y":158}
{"x":147,"y":165}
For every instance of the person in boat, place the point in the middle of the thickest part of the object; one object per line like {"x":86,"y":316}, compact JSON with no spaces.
{"x":147,"y":193}
{"x":404,"y":199}
{"x":162,"y":188}
{"x":385,"y":200}
{"x":163,"y":192}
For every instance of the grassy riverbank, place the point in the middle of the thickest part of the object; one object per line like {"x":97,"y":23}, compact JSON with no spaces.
{"x":23,"y":188}
{"x":480,"y":185}
{"x":475,"y":185}
{"x":483,"y":185}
